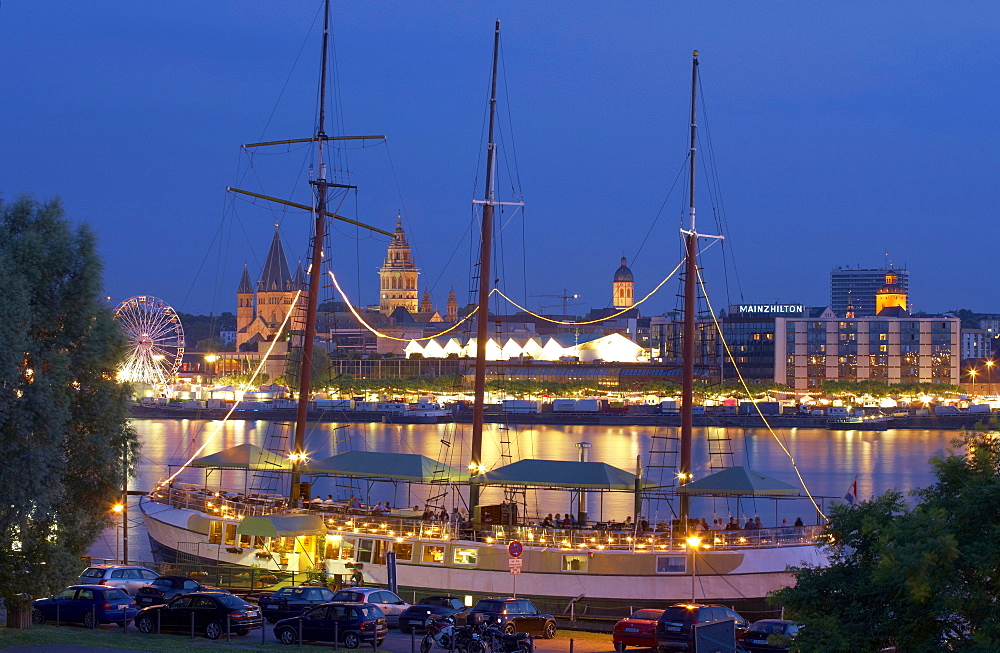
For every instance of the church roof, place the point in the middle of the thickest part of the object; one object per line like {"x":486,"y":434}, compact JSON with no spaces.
{"x":299,"y":282}
{"x":275,"y":276}
{"x":623,"y":274}
{"x":246,"y":287}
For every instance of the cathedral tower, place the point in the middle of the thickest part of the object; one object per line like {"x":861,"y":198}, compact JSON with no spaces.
{"x":622,"y":287}
{"x":244,"y":302}
{"x":452,"y":315}
{"x":398,"y":275}
{"x":891,"y":294}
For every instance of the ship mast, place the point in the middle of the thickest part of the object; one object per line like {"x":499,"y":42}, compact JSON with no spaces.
{"x":482,"y":320}
{"x":314,"y":272}
{"x":684,"y":475}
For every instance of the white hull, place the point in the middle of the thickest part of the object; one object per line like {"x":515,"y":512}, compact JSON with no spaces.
{"x":721,"y":574}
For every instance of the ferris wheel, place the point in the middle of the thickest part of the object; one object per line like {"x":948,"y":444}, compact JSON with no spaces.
{"x":155,"y":340}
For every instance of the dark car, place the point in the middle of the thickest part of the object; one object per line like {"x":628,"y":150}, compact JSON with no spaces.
{"x":513,"y":616}
{"x":639,"y":629}
{"x":349,"y":624}
{"x":212,"y":613}
{"x":90,"y":605}
{"x":675,"y":629}
{"x":165,"y":588}
{"x":755,"y":640}
{"x":291,"y":601}
{"x":415,"y":616}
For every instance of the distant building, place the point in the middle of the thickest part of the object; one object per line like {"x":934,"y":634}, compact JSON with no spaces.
{"x":858,"y":287}
{"x":976,"y":343}
{"x":623,"y":287}
{"x":261,"y":309}
{"x":749,"y":331}
{"x":398,"y":275}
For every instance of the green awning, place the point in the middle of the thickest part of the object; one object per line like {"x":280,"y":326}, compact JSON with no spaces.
{"x":560,"y":474}
{"x":739,"y":482}
{"x":244,"y":456}
{"x":282,"y":525}
{"x":379,"y":465}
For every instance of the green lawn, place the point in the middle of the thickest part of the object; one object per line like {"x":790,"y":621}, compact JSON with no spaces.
{"x":114,"y":638}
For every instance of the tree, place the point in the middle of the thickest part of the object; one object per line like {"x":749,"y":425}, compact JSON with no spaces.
{"x":320,"y":373}
{"x":921,"y":578}
{"x":64,"y":428}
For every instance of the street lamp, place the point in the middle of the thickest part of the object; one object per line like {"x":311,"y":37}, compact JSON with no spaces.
{"x":989,"y":377}
{"x":973,"y":373}
{"x":117,"y":509}
{"x":694,"y":542}
{"x":210,"y":359}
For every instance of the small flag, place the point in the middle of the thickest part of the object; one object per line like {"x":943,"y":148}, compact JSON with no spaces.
{"x":852,"y":493}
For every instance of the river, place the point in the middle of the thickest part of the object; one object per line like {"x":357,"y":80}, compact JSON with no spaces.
{"x":827,"y":460}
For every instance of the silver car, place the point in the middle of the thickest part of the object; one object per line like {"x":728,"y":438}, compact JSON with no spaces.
{"x":389,"y":603}
{"x":127,"y":577}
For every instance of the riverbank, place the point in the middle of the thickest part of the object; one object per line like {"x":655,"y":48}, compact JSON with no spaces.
{"x":931,"y":422}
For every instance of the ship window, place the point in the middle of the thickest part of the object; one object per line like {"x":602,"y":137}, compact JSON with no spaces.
{"x":463,"y":556}
{"x":215,"y":532}
{"x":575,"y":562}
{"x":365,"y":550}
{"x":404,"y":551}
{"x":245,"y":540}
{"x":433,"y":553}
{"x":671,"y":564}
{"x":378,"y":553}
{"x":230,"y":534}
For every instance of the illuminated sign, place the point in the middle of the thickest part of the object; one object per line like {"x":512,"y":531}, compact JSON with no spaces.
{"x":758,"y":309}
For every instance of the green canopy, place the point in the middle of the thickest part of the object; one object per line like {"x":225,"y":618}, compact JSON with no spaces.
{"x":386,"y":466}
{"x":739,"y":482}
{"x":282,"y":525}
{"x":560,"y":474}
{"x":244,"y":456}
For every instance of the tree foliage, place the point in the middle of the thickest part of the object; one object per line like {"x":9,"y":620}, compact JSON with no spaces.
{"x":921,"y":577}
{"x":63,"y":416}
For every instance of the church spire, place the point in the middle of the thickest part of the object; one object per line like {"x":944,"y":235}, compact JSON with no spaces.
{"x":275,"y":276}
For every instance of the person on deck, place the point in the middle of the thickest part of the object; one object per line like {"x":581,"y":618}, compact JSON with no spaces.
{"x":547,"y":522}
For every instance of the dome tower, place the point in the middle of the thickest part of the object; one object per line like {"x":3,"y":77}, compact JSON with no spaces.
{"x":622,"y":287}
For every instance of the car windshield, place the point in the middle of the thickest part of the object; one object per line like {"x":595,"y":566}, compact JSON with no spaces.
{"x":651,"y":615}
{"x":289,"y":592}
{"x":115,"y":594}
{"x":356,"y":597}
{"x":230,"y":601}
{"x":93,"y":572}
{"x":679,"y":613}
{"x":769,"y":627}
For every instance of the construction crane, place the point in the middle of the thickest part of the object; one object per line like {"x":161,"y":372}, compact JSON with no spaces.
{"x":565,"y":297}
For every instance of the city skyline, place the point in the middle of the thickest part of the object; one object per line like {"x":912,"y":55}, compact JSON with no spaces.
{"x":842,"y":136}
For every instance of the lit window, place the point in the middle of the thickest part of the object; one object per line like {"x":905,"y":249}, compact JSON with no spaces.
{"x":464,"y":556}
{"x":433,"y":554}
{"x":671,"y":564}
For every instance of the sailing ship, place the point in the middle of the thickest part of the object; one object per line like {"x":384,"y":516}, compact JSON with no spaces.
{"x":618,"y":564}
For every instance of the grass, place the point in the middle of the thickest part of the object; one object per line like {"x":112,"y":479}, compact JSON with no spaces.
{"x":114,"y":638}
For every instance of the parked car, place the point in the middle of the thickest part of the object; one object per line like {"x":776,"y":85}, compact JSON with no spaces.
{"x":415,"y":616}
{"x":755,"y":639}
{"x":165,"y":588}
{"x":513,"y":616}
{"x":213,"y":612}
{"x":349,"y":624}
{"x":127,"y":577}
{"x":638,"y":629}
{"x":90,"y":605}
{"x":291,"y":601}
{"x":391,"y":605}
{"x":675,"y":628}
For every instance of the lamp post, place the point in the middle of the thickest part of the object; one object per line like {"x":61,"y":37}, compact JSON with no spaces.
{"x":210,"y":360}
{"x":973,"y":373}
{"x":694,"y":542}
{"x":117,"y":509}
{"x":989,"y":376}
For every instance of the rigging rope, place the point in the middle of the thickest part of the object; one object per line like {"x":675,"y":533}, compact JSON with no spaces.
{"x":603,"y":319}
{"x":246,"y":386}
{"x":750,"y":395}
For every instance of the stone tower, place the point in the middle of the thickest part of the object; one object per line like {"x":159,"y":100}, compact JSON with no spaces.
{"x":426,"y":306}
{"x":622,"y":287}
{"x":398,"y":275}
{"x":891,"y":294}
{"x":452,"y":315}
{"x":244,"y":302}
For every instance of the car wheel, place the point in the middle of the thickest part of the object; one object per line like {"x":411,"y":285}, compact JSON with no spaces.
{"x":508,"y":629}
{"x":241,"y":631}
{"x":145,"y":624}
{"x":620,"y":647}
{"x":213,"y":630}
{"x":123,"y":624}
{"x":550,"y":630}
{"x":406,"y":630}
{"x":37,"y":616}
{"x":351,"y":640}
{"x":287,"y":636}
{"x":89,"y":621}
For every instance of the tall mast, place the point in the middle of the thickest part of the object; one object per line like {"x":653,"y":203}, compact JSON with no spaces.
{"x":314,"y":272}
{"x":485,"y":283}
{"x":687,"y":338}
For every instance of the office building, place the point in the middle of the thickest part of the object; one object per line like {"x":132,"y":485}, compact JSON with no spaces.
{"x":858,"y":287}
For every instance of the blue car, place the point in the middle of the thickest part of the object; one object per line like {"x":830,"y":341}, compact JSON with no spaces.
{"x":90,"y":605}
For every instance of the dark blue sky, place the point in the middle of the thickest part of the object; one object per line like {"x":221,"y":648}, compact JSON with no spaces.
{"x":841,"y":131}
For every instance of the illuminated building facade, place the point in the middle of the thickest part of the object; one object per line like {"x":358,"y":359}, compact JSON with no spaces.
{"x":859,"y":287}
{"x":749,"y":331}
{"x":398,"y":275}
{"x":810,"y":351}
{"x":261,"y":310}
{"x":623,"y":287}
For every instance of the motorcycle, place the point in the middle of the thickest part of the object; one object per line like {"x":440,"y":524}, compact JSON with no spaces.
{"x":446,"y":635}
{"x":499,"y":642}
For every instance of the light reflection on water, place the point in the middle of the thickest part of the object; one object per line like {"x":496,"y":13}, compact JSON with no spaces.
{"x":827,"y":460}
